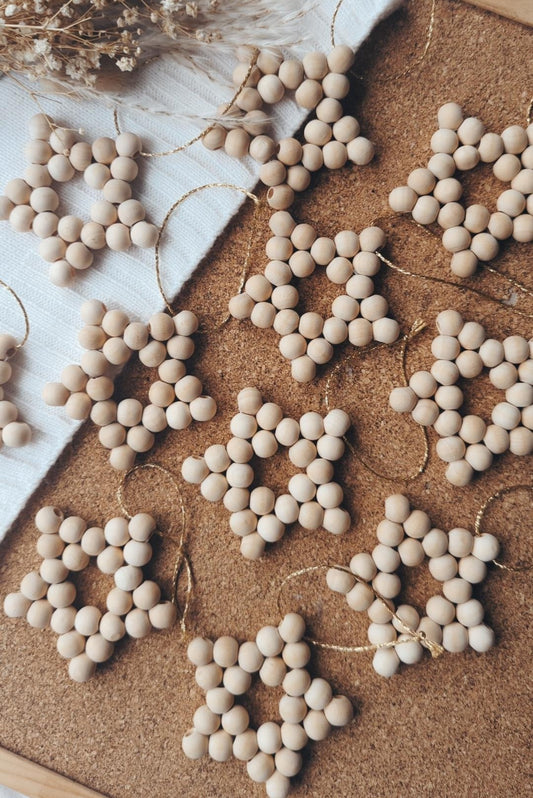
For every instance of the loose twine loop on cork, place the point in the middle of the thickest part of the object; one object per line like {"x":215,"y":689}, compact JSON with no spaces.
{"x":416,"y":328}
{"x":253,"y":229}
{"x":434,"y":648}
{"x":481,"y":514}
{"x":214,"y":123}
{"x":410,"y":67}
{"x":19,"y":302}
{"x":182,"y":560}
{"x":460,"y":286}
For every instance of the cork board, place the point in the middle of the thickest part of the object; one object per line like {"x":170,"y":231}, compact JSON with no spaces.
{"x":458,"y":725}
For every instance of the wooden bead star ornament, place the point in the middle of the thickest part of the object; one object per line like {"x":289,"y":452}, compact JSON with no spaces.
{"x":47,"y":596}
{"x":108,"y":166}
{"x":313,"y":499}
{"x":453,"y":618}
{"x":358,"y":313}
{"x":13,"y":431}
{"x":222,"y":727}
{"x":175,"y":397}
{"x":432,"y":194}
{"x":469,"y":443}
{"x":331,"y":138}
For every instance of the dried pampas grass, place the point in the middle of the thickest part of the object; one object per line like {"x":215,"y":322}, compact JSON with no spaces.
{"x":80,"y":43}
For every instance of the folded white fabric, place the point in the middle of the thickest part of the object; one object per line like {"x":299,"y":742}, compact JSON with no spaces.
{"x":126,"y":280}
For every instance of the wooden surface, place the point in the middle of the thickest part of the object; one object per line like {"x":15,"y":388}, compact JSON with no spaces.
{"x":456,"y":726}
{"x":37,"y":782}
{"x":519,"y":10}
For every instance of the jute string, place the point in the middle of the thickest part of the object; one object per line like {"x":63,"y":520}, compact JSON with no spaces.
{"x":417,"y":327}
{"x":209,"y":128}
{"x":178,"y":537}
{"x":253,"y":229}
{"x":434,"y":648}
{"x":19,"y":302}
{"x":481,"y":514}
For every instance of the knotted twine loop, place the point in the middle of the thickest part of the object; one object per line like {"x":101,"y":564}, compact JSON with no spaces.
{"x":481,"y":513}
{"x":421,"y":637}
{"x":19,"y":302}
{"x":244,"y":272}
{"x":182,"y":558}
{"x":214,"y":123}
{"x":416,"y":328}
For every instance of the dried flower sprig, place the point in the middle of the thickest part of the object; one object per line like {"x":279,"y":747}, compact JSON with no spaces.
{"x":76,"y":41}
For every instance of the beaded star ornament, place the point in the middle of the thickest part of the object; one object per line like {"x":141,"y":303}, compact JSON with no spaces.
{"x":272,"y":299}
{"x":432,"y":194}
{"x":46,"y":598}
{"x":175,"y":397}
{"x":453,"y":618}
{"x":331,"y":138}
{"x":308,"y":708}
{"x":68,"y":243}
{"x":313,"y":499}
{"x":434,"y":399}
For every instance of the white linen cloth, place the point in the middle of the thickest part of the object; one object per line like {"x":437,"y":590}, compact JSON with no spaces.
{"x":126,"y":279}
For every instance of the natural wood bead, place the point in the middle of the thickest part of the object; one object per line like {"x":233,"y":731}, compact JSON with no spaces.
{"x":98,"y":649}
{"x":18,"y":191}
{"x":506,"y":167}
{"x":122,"y":457}
{"x":340,"y":58}
{"x":335,"y":85}
{"x":178,"y":415}
{"x":123,"y":168}
{"x":450,"y":115}
{"x":118,"y":237}
{"x":441,"y":165}
{"x":248,"y":100}
{"x":452,"y":214}
{"x":62,"y":139}
{"x":270,"y":88}
{"x":422,"y":181}
{"x":286,"y":509}
{"x":194,"y":744}
{"x":60,"y":168}
{"x":117,"y":191}
{"x":103,"y":413}
{"x":262,"y":148}
{"x":515,"y":139}
{"x":62,"y":620}
{"x":104,"y":150}
{"x":308,"y":94}
{"x":6,"y":207}
{"x":360,"y":151}
{"x":403,"y":199}
{"x":316,"y":725}
{"x":215,"y":137}
{"x":330,"y":110}
{"x":426,"y":210}
{"x":128,"y":144}
{"x":255,"y":122}
{"x":444,"y":141}
{"x":312,"y":157}
{"x":40,"y":126}
{"x":44,"y":224}
{"x":237,"y":141}
{"x":21,"y":218}
{"x":137,"y":623}
{"x":291,"y":73}
{"x":96,"y":175}
{"x":70,"y":644}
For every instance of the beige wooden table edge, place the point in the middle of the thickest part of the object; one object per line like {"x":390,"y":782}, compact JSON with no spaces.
{"x":36,"y":781}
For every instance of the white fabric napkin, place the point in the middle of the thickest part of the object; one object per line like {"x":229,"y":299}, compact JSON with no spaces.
{"x":126,"y":279}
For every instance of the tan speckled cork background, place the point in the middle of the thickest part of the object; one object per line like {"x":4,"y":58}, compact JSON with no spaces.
{"x":456,"y":726}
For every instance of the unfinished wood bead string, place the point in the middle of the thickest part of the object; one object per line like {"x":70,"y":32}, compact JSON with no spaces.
{"x":331,"y":138}
{"x":257,"y":515}
{"x":13,"y":432}
{"x":434,"y":399}
{"x":175,"y":397}
{"x":308,"y":707}
{"x":453,"y":618}
{"x":432,"y":194}
{"x":358,"y":314}
{"x":121,"y":549}
{"x":67,"y":242}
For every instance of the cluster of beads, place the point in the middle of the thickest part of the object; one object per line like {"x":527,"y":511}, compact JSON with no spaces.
{"x":225,"y":473}
{"x":86,"y":637}
{"x":175,"y":399}
{"x":308,"y":708}
{"x":331,"y":139}
{"x":13,"y":432}
{"x":456,"y":559}
{"x":433,"y":398}
{"x":67,"y":242}
{"x":432,"y":194}
{"x":359,"y":314}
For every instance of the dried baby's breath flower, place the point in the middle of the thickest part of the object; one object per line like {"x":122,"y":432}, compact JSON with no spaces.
{"x":73,"y":41}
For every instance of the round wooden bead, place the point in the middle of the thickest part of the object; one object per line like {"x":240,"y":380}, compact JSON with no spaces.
{"x":316,"y":725}
{"x":81,"y":668}
{"x":403,"y":199}
{"x":163,"y":615}
{"x":137,"y":623}
{"x":194,"y":744}
{"x":426,"y":210}
{"x":112,"y":627}
{"x":70,"y":644}
{"x":16,"y":605}
{"x":62,"y":620}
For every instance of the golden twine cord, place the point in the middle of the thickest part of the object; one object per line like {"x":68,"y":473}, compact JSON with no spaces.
{"x":182,"y":559}
{"x":434,"y":648}
{"x":200,"y":136}
{"x":416,"y":328}
{"x":18,"y":300}
{"x":410,"y":67}
{"x":169,"y":213}
{"x":481,"y":513}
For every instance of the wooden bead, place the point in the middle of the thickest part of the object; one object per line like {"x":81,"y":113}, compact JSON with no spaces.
{"x":315,"y":65}
{"x":81,"y":668}
{"x":402,"y":199}
{"x":16,"y":605}
{"x":62,"y":620}
{"x":123,"y":168}
{"x":163,"y":615}
{"x":40,"y":126}
{"x":308,"y":94}
{"x":98,"y":649}
{"x":60,"y":168}
{"x":360,"y":151}
{"x":194,"y":744}
{"x":426,"y":210}
{"x":237,"y":140}
{"x":137,"y":623}
{"x":506,"y":167}
{"x":335,"y":85}
{"x":18,"y":191}
{"x":118,"y":237}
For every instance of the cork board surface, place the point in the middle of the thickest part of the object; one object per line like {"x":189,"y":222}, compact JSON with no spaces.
{"x":458,"y":725}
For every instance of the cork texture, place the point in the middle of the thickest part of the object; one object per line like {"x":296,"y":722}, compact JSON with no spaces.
{"x":455,"y":726}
